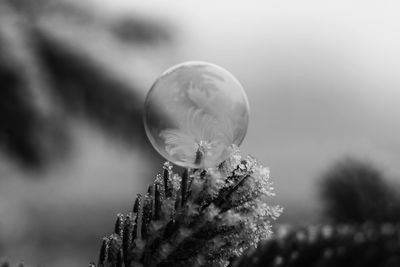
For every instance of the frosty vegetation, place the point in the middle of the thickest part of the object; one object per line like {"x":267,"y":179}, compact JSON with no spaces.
{"x":204,"y":217}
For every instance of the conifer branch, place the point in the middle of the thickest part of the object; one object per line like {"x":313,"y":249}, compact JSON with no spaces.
{"x":204,"y":217}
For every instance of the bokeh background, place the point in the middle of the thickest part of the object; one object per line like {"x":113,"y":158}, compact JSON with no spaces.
{"x":322,"y":81}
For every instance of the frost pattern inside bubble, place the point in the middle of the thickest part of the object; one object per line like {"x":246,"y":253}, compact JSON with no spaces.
{"x":194,"y":112}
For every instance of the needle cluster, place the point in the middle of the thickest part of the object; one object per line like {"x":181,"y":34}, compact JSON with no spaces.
{"x":203,"y":217}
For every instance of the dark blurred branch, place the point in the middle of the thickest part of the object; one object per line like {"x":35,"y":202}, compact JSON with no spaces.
{"x":134,"y":30}
{"x":27,"y":129}
{"x":44,"y":80}
{"x":85,"y":89}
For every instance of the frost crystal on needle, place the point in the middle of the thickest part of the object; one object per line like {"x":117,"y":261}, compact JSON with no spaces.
{"x":203,"y":217}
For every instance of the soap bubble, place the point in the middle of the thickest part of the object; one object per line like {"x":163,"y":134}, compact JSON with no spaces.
{"x":194,"y":113}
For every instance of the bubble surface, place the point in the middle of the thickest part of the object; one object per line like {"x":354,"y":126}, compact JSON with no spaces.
{"x":194,"y":112}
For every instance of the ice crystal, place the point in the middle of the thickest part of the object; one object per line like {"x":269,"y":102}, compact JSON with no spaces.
{"x":194,"y":135}
{"x":203,"y":217}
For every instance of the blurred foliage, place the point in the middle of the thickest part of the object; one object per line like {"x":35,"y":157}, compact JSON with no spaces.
{"x":367,"y":245}
{"x":354,"y":191}
{"x":48,"y":76}
{"x":23,"y":124}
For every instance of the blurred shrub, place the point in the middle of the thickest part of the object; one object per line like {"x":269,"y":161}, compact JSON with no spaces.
{"x":355,"y":191}
{"x":369,"y":245}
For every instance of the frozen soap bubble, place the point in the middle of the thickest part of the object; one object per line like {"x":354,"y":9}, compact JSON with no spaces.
{"x":194,"y":112}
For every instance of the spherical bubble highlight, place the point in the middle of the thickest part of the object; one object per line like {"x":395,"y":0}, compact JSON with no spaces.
{"x":194,"y":113}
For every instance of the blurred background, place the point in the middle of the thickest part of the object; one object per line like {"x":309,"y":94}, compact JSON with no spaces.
{"x":322,"y":81}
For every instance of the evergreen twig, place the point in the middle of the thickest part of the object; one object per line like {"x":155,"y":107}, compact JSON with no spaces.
{"x":202,"y":218}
